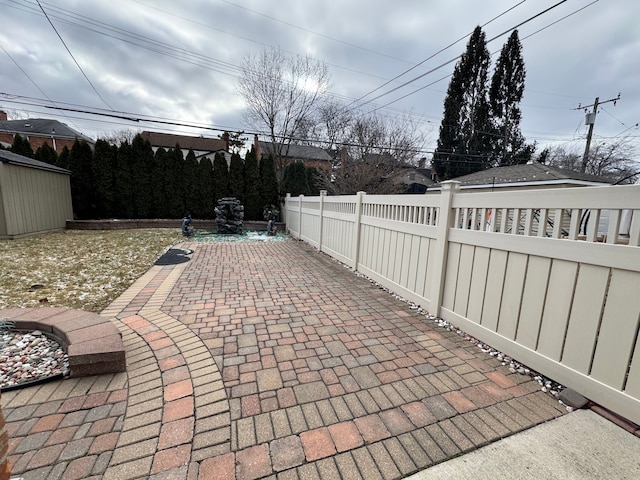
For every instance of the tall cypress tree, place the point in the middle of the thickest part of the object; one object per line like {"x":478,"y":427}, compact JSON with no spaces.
{"x":158,"y":183}
{"x":82,"y":180}
{"x":174,"y":181}
{"x":464,"y":143}
{"x":123,"y":201}
{"x":141,"y":165}
{"x":205,"y":201}
{"x":45,"y":153}
{"x":104,"y":165}
{"x":505,"y":94}
{"x":253,"y":205}
{"x":190,"y":182}
{"x":236,"y":178}
{"x":268,"y":183}
{"x":220,"y":176}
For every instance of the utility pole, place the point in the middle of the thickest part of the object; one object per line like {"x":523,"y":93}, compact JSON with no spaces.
{"x":590,"y":119}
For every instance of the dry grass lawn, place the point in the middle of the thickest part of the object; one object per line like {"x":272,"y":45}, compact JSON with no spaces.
{"x":78,"y":269}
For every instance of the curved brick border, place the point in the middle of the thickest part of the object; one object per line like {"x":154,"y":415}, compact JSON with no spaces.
{"x":92,"y":342}
{"x":177,"y":412}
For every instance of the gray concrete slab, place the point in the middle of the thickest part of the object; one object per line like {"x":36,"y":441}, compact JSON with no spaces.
{"x":582,"y":445}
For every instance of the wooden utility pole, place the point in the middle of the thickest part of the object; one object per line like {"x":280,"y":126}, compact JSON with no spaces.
{"x":591,"y":120}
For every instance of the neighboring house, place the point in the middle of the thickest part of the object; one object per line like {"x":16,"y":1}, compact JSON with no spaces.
{"x":39,"y":131}
{"x":535,"y":176}
{"x":201,"y":146}
{"x":417,"y":180}
{"x":310,"y":156}
{"x":35,"y":197}
{"x":530,"y":175}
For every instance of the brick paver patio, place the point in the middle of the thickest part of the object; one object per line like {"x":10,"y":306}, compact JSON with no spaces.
{"x":269,"y":360}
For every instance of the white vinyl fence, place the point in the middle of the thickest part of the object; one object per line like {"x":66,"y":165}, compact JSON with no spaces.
{"x":529,"y":272}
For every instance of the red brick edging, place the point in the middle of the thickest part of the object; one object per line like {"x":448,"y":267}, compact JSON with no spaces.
{"x":93,"y":344}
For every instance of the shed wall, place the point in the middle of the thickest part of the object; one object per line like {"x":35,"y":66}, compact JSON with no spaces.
{"x":33,"y":200}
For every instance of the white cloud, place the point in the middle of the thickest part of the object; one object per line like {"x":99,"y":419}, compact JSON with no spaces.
{"x":364,"y":42}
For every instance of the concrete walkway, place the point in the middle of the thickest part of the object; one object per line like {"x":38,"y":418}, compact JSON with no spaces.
{"x":270,"y":360}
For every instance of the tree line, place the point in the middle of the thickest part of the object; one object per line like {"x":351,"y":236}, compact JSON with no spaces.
{"x":131,"y":181}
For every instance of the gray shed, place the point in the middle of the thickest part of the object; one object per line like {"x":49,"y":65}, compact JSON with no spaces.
{"x":35,"y":197}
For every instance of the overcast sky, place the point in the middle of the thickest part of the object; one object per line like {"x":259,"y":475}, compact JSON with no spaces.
{"x":179,"y":61}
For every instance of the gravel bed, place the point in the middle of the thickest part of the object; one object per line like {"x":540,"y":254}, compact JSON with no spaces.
{"x":27,"y":357}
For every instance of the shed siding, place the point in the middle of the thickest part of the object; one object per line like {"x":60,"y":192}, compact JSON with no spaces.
{"x":34,"y":200}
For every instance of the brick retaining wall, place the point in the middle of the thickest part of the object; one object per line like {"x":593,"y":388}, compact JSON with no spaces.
{"x":114,"y":224}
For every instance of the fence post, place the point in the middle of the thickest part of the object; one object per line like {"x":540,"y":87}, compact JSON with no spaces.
{"x":300,"y":198}
{"x":323,"y":193}
{"x":356,"y":238}
{"x":286,"y":209}
{"x":445,"y":221}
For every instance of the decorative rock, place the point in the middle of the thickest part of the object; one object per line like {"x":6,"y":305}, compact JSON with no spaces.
{"x":26,"y":357}
{"x":572,"y":398}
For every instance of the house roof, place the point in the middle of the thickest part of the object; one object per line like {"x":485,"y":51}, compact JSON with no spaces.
{"x":405,"y":172}
{"x":301,"y":152}
{"x":168,"y":140}
{"x":43,"y":127}
{"x":14,"y":159}
{"x":527,"y":174}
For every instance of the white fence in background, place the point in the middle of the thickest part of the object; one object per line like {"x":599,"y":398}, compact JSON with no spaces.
{"x":529,"y":272}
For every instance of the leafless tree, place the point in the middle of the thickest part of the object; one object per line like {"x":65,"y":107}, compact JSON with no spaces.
{"x":615,"y":160}
{"x":118,"y":137}
{"x":383,"y":139}
{"x":333,"y":122}
{"x":281,"y":93}
{"x":359,"y":177}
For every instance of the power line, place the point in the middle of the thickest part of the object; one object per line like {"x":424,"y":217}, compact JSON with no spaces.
{"x":435,"y":54}
{"x":71,"y":54}
{"x":315,"y":33}
{"x":30,"y":79}
{"x":456,"y":58}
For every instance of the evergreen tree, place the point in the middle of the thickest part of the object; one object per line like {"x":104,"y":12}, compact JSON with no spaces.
{"x":45,"y":153}
{"x":63,"y":158}
{"x":464,"y":143}
{"x":174,"y":182}
{"x":158,"y":183}
{"x":312,"y":180}
{"x":141,"y":164}
{"x":253,"y":205}
{"x":220,"y":177}
{"x":124,"y":207}
{"x":104,"y":166}
{"x":82,"y":180}
{"x":21,"y":146}
{"x":190,"y":182}
{"x":295,"y":180}
{"x":205,"y":199}
{"x":505,"y":94}
{"x":268,"y":183}
{"x":236,"y":178}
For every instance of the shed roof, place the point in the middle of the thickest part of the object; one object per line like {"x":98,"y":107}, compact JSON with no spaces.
{"x":14,"y":159}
